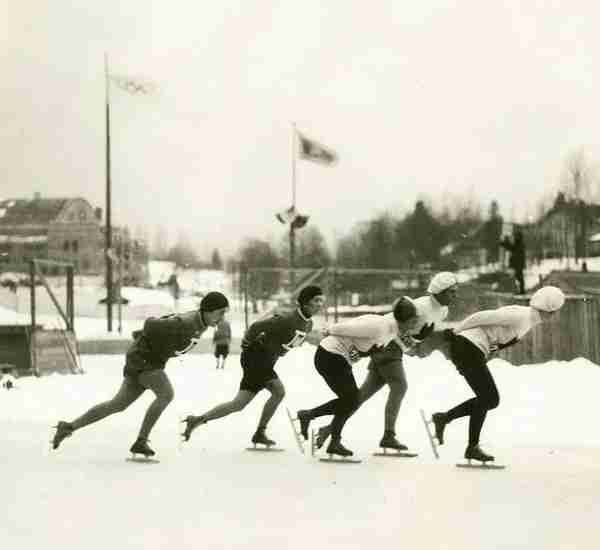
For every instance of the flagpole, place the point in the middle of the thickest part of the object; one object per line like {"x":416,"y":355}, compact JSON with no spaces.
{"x":108,"y":231}
{"x":292,"y":235}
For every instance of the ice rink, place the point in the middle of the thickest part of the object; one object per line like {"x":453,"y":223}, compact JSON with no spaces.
{"x":213,"y":494}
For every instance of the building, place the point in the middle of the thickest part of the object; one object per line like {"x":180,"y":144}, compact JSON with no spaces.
{"x":564,"y":229}
{"x":66,"y":229}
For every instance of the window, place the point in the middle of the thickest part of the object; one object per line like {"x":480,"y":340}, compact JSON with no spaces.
{"x":66,"y":246}
{"x":75,"y":246}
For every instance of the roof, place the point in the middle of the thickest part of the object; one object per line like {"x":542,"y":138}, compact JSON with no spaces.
{"x":30,"y":211}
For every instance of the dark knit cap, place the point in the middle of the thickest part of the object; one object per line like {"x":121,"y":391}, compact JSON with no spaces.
{"x":213,"y":301}
{"x":404,"y":310}
{"x":308,"y":293}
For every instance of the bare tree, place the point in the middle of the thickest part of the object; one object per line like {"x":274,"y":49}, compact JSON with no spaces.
{"x":579,"y":182}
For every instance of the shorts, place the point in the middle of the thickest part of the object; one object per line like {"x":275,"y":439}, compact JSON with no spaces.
{"x":221,"y":350}
{"x":136,"y":363}
{"x":258,"y":370}
{"x":387,"y":365}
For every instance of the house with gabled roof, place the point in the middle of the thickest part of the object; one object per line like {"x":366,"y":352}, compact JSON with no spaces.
{"x":66,"y":229}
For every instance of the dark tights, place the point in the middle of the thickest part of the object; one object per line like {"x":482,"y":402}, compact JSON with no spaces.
{"x":471,"y":363}
{"x":337,"y":372}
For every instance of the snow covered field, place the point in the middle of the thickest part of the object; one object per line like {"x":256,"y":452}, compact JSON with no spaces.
{"x":213,"y":494}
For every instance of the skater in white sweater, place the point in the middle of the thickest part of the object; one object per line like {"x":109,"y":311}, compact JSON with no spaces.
{"x":472,"y":342}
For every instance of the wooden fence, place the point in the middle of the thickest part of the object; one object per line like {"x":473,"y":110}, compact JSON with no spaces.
{"x":573,"y":332}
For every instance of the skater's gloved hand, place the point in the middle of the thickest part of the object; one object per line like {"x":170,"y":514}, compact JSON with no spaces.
{"x":448,"y":334}
{"x":424,"y":332}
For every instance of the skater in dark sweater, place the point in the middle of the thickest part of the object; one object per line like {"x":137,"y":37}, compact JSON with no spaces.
{"x":263,"y":344}
{"x":158,"y":341}
{"x":472,"y":342}
{"x":344,"y":344}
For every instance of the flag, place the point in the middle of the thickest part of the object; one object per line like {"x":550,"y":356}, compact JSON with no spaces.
{"x":134,"y":86}
{"x":299,"y":221}
{"x":287,"y":216}
{"x":311,"y":150}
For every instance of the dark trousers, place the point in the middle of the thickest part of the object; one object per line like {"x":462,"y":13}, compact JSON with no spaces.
{"x":337,"y":372}
{"x":470,"y":362}
{"x":520,"y":280}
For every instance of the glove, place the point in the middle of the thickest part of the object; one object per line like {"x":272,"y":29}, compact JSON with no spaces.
{"x":448,"y":334}
{"x":424,"y":332}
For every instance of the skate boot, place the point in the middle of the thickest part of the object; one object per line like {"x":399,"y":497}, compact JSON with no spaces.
{"x":260,"y":437}
{"x":389,"y":441}
{"x":191,"y":423}
{"x":140,"y":447}
{"x":63,"y":430}
{"x":336,"y":448}
{"x":474,"y":452}
{"x":304,"y":418}
{"x":439,"y":422}
{"x":322,"y":434}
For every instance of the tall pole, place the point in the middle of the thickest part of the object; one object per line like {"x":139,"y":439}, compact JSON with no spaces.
{"x":108,"y":231}
{"x":292,"y":235}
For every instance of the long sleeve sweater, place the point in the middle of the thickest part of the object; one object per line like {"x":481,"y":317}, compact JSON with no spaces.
{"x":494,"y":329}
{"x":357,"y":337}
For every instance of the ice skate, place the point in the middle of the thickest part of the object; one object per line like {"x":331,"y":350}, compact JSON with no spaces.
{"x":191,"y":423}
{"x":304,"y":419}
{"x":63,"y":430}
{"x":141,"y":452}
{"x":260,"y":438}
{"x":338,"y":453}
{"x":474,"y":452}
{"x":390,"y":443}
{"x":439,"y":423}
{"x":484,"y":460}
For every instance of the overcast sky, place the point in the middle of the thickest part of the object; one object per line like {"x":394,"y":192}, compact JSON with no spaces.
{"x":417,"y":98}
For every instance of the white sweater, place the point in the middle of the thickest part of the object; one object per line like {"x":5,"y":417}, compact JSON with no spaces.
{"x":350,"y":338}
{"x":493,"y":329}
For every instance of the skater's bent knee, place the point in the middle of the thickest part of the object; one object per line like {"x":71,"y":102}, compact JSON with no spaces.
{"x":493,"y":402}
{"x":398,"y":389}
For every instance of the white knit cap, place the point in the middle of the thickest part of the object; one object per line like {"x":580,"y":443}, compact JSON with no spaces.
{"x":547,"y":298}
{"x":441,"y":281}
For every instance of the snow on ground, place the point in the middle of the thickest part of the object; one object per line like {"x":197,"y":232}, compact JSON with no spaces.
{"x":213,"y":494}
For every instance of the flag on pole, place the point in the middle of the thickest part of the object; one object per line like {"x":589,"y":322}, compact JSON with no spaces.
{"x":134,"y":86}
{"x":287,"y":216}
{"x":312,"y":150}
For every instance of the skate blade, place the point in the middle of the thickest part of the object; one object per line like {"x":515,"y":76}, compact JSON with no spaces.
{"x":341,"y":460}
{"x":394,"y":454}
{"x":143,"y":459}
{"x":481,"y":466}
{"x":270,"y":449}
{"x":297,"y":435}
{"x":432,"y":440}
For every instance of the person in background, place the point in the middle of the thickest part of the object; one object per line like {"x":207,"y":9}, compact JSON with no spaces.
{"x":516,"y":261}
{"x":221,"y":342}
